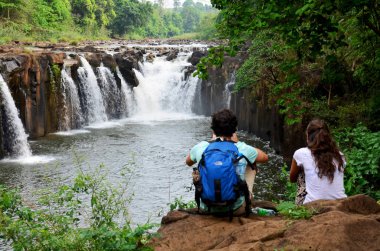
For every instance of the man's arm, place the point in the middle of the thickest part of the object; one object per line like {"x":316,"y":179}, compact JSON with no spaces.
{"x":261,"y":156}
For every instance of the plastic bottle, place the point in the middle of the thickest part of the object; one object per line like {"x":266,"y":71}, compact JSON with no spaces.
{"x":263,"y":211}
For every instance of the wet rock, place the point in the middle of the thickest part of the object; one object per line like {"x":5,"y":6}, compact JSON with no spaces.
{"x":33,"y":79}
{"x":150,"y":57}
{"x":172,"y":55}
{"x":109,"y":61}
{"x":189,"y":70}
{"x":196,"y":57}
{"x":94,"y":59}
{"x":127,"y":61}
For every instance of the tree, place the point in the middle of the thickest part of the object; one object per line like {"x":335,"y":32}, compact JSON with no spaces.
{"x":10,"y":8}
{"x":83,"y":12}
{"x":190,"y":16}
{"x":176,"y":4}
{"x":329,"y":35}
{"x":104,"y":12}
{"x":188,"y":3}
{"x":130,"y":14}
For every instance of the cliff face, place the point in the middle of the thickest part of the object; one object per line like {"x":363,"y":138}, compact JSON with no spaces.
{"x":347,"y":224}
{"x":35,"y":81}
{"x":254,"y":114}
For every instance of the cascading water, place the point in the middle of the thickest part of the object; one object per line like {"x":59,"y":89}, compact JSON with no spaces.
{"x":163,"y":88}
{"x":227,"y":90}
{"x":116,"y":103}
{"x":15,"y":138}
{"x":127,"y":94}
{"x":72,"y":117}
{"x":91,"y":100}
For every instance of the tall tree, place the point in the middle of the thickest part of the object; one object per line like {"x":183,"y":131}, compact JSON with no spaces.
{"x":190,"y":16}
{"x":130,"y":14}
{"x":176,"y":4}
{"x":11,"y":8}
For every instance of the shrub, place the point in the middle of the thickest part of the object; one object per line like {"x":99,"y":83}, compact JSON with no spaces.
{"x":292,"y":211}
{"x":58,"y":223}
{"x":361,"y":148}
{"x":180,"y":204}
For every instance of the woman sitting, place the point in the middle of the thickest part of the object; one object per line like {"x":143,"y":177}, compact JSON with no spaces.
{"x":320,"y":164}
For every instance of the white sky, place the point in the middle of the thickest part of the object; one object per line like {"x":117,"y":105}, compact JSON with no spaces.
{"x":169,"y":3}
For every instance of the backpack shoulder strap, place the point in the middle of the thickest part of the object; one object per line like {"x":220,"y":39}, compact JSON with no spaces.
{"x":252,"y":165}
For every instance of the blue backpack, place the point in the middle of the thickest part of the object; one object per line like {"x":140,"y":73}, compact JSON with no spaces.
{"x":219,"y":184}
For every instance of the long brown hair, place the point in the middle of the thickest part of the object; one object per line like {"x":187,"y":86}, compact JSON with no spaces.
{"x":323,"y":148}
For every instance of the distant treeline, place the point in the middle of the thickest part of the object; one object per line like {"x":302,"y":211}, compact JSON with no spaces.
{"x":72,"y":20}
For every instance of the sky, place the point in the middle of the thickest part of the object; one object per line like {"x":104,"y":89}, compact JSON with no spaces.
{"x":169,"y":3}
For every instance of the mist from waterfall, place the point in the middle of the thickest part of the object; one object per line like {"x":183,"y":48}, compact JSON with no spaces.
{"x":15,"y":138}
{"x":92,"y":100}
{"x":163,"y":89}
{"x":72,"y":116}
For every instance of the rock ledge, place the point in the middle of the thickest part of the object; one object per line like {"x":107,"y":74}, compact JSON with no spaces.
{"x":347,"y":224}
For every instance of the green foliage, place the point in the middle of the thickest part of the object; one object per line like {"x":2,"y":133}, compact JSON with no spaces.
{"x":304,"y":53}
{"x":180,"y":204}
{"x":292,"y":211}
{"x":361,"y":148}
{"x":75,"y":20}
{"x":290,"y":190}
{"x":130,"y":14}
{"x":215,"y":57}
{"x":58,"y":223}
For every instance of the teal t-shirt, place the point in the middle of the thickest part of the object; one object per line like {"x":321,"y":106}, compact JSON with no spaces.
{"x":247,"y":150}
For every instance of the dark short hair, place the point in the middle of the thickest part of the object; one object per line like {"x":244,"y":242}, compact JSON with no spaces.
{"x":224,"y":123}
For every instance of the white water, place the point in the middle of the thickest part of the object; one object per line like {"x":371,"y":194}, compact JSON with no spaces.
{"x":227,"y":90}
{"x":162,"y":89}
{"x":128,"y":94}
{"x":72,"y":117}
{"x":17,"y":138}
{"x":93,"y":100}
{"x":115,"y":101}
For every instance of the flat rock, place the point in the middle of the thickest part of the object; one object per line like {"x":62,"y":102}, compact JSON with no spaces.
{"x":347,"y":224}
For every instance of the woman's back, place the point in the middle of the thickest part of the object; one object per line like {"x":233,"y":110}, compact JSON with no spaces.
{"x":319,"y":187}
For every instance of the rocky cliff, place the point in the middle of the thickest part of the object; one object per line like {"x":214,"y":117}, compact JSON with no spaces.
{"x":346,"y":224}
{"x":254,"y":113}
{"x":33,"y":74}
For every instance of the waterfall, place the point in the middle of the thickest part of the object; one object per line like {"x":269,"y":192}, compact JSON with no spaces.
{"x":163,"y":87}
{"x":116,"y":104}
{"x":72,"y":113}
{"x":15,"y":138}
{"x":227,"y":90}
{"x":92,"y":100}
{"x":127,"y":94}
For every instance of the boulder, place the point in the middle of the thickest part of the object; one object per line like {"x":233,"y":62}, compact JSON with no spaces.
{"x":127,"y":61}
{"x":196,"y":57}
{"x":347,"y":224}
{"x":172,"y":55}
{"x":150,"y":57}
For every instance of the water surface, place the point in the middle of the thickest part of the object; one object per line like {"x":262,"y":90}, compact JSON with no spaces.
{"x":154,"y":151}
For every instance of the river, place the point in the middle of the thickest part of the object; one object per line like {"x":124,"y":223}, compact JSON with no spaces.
{"x":151,"y":141}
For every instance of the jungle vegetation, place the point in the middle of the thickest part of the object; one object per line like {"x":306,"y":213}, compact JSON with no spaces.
{"x":312,"y":59}
{"x":76,"y":20}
